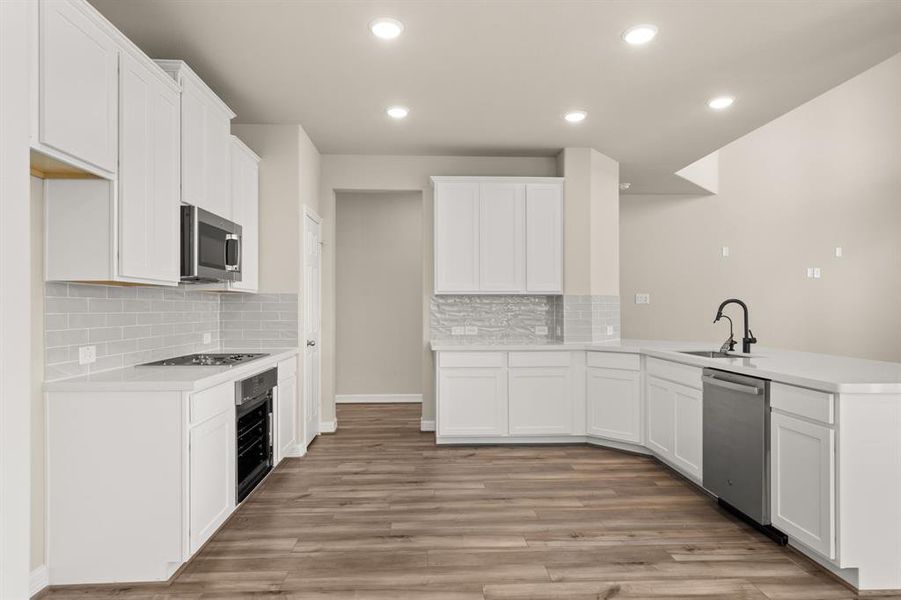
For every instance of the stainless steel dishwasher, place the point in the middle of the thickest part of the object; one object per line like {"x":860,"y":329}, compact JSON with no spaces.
{"x":737,"y":446}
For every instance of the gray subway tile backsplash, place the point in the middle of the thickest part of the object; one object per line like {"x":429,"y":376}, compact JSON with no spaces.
{"x":120,"y":322}
{"x":259,"y":321}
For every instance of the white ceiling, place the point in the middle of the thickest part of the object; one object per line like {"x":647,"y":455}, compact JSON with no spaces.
{"x":493,"y":77}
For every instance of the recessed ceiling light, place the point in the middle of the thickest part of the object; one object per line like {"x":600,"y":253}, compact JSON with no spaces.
{"x":720,"y":102}
{"x":386,"y":28}
{"x":398,"y":112}
{"x":640,"y":34}
{"x":575,"y":116}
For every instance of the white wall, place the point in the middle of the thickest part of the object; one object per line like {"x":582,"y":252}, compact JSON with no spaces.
{"x":289,"y":180}
{"x":15,"y":301}
{"x":378,"y":293}
{"x":826,"y":174}
{"x":397,"y":173}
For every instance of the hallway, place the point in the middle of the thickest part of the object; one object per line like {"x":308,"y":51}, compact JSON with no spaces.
{"x":377,"y":511}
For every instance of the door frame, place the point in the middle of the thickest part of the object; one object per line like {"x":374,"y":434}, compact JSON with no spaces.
{"x":308,"y":213}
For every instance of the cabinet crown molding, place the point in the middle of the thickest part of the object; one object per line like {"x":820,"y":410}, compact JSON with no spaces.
{"x":179,"y":70}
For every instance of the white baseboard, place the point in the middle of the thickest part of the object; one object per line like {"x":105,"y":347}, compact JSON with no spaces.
{"x":328,"y":426}
{"x":38,"y":580}
{"x":377,"y":398}
{"x":426,"y":425}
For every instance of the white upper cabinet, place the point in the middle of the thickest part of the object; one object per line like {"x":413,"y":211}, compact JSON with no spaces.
{"x":78,"y":63}
{"x":456,"y":237}
{"x":498,"y":235}
{"x":245,"y":199}
{"x":148,"y":173}
{"x":502,"y":220}
{"x":205,"y":142}
{"x":544,"y":251}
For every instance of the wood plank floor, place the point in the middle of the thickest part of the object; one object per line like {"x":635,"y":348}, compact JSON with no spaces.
{"x":378,"y":511}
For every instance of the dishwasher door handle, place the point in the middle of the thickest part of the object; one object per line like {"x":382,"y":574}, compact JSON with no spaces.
{"x":735,"y":387}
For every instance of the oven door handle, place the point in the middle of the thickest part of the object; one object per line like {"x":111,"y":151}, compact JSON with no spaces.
{"x":269,"y":423}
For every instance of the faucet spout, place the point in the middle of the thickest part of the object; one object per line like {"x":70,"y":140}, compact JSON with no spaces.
{"x":748,"y":338}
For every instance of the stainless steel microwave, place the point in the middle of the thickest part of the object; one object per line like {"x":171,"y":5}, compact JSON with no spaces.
{"x":210,"y":247}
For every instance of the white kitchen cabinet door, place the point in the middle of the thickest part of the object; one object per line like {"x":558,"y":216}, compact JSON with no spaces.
{"x":614,"y":404}
{"x":287,"y":416}
{"x":212,"y":476}
{"x":502,"y":260}
{"x":540,"y":401}
{"x":472,"y":401}
{"x":78,"y":83}
{"x":688,"y":430}
{"x":149,"y":167}
{"x":544,"y":238}
{"x":456,"y":237}
{"x":245,"y":195}
{"x":802,"y":471}
{"x":206,"y":143}
{"x":661,"y":417}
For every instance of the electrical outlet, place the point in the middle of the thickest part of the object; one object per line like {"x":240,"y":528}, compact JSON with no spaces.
{"x":642,"y":298}
{"x":458,"y":330}
{"x":809,"y":272}
{"x":838,"y":252}
{"x":609,"y":329}
{"x":472,"y":330}
{"x":725,"y":251}
{"x":540,"y":330}
{"x":87,"y":355}
{"x":816,"y":272}
{"x":207,"y":338}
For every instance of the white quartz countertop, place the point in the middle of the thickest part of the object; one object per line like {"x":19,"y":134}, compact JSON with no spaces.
{"x":157,"y":379}
{"x":837,"y":374}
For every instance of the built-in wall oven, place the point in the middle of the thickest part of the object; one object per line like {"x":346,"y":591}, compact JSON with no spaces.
{"x":253,"y":411}
{"x":210,"y":247}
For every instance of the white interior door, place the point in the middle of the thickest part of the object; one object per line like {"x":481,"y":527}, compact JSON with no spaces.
{"x":312,"y":324}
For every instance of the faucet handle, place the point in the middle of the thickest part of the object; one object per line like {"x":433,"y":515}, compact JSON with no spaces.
{"x":751,"y":338}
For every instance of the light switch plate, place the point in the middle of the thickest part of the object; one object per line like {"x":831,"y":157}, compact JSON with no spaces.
{"x":87,"y":355}
{"x":458,"y":330}
{"x":725,"y":251}
{"x":207,"y":338}
{"x":838,"y":252}
{"x":817,"y":272}
{"x":472,"y":330}
{"x":642,"y":298}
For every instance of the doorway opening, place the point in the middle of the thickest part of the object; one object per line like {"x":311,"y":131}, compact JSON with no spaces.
{"x":379,"y":297}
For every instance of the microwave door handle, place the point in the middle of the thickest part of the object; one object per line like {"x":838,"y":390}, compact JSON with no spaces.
{"x":236,"y":240}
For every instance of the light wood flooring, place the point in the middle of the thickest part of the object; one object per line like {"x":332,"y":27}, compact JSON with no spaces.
{"x":378,"y":511}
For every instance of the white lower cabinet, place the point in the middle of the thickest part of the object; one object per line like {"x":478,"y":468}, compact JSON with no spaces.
{"x":661,"y":417}
{"x":802,"y":474}
{"x":675,"y":426}
{"x":613,"y":400}
{"x":473,"y":401}
{"x":212,"y":476}
{"x":286,"y":409}
{"x":688,"y":436}
{"x":541,"y":401}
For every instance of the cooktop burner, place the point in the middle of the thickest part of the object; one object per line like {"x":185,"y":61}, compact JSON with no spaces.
{"x":224,"y":359}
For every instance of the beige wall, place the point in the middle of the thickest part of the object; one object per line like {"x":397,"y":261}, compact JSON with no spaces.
{"x":397,"y":173}
{"x":289,"y":180}
{"x":38,"y":510}
{"x":378,"y":291}
{"x":826,"y":174}
{"x":591,"y":222}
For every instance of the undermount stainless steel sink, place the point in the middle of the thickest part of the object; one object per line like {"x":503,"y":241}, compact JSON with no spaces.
{"x":708,"y":353}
